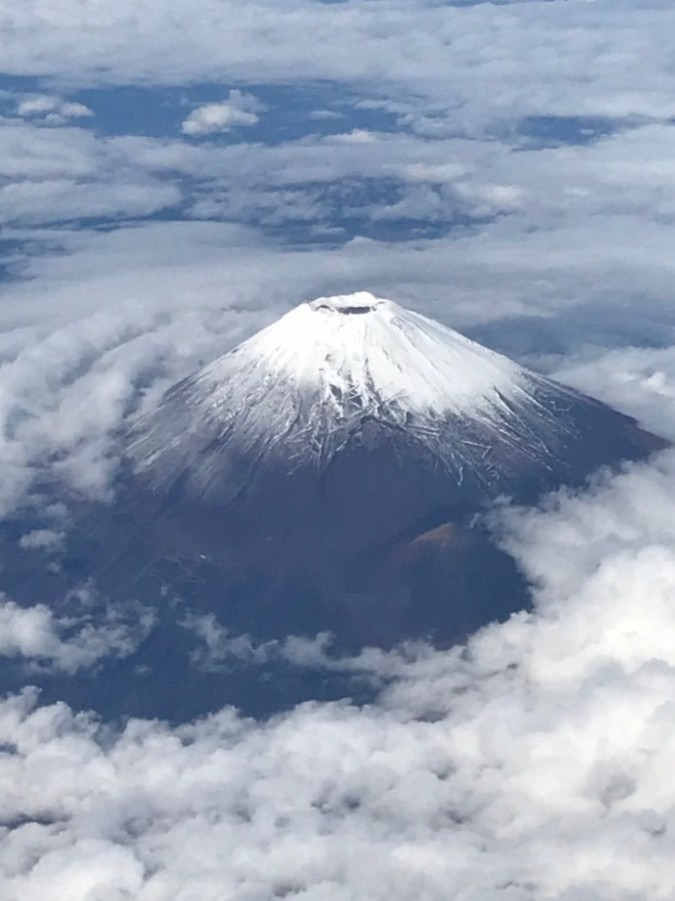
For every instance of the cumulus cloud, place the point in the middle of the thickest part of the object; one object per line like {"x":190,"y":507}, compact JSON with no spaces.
{"x":51,"y":110}
{"x":46,"y":642}
{"x":217,"y":649}
{"x":528,"y":232}
{"x":81,"y":352}
{"x":238,"y":111}
{"x":534,"y":764}
{"x":491,"y":68}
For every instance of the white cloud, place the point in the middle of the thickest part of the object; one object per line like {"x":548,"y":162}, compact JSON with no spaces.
{"x":536,"y":765}
{"x":61,"y":174}
{"x":52,"y":110}
{"x":70,"y":644}
{"x":565,"y":216}
{"x":56,"y":200}
{"x":477,"y":60}
{"x":42,"y":539}
{"x":240,"y":110}
{"x":356,"y":136}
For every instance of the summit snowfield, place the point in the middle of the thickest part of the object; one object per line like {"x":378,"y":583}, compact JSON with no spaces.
{"x":361,"y":350}
{"x":328,"y":476}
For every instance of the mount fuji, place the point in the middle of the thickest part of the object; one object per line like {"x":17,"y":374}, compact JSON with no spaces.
{"x":328,"y":475}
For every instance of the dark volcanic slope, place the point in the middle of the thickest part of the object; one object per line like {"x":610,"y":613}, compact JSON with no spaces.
{"x":325,"y":475}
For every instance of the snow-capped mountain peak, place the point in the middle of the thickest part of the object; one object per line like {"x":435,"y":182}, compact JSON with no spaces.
{"x":362,"y":349}
{"x":357,"y":374}
{"x":327,"y":475}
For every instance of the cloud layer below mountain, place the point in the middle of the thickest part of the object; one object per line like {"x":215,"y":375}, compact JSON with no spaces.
{"x":174,"y":176}
{"x":534,"y":764}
